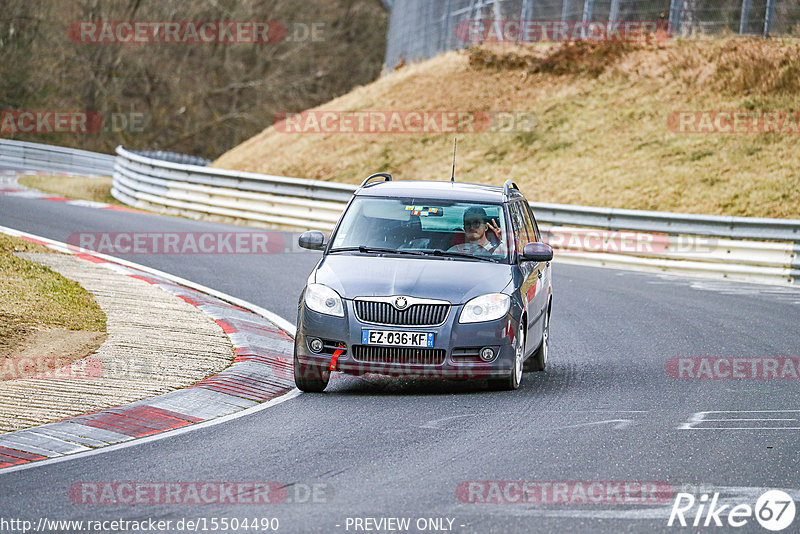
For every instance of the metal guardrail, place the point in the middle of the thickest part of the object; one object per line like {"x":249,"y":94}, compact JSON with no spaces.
{"x":173,"y":157}
{"x":756,"y":261}
{"x":748,"y":248}
{"x":673,"y":223}
{"x":48,"y":158}
{"x":198,"y":190}
{"x":685,"y":243}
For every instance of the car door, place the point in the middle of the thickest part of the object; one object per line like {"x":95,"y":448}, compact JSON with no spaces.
{"x":540,"y":276}
{"x":546,"y":272}
{"x":528,"y":271}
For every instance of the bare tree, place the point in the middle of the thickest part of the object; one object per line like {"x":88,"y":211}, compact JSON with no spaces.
{"x":195,"y":98}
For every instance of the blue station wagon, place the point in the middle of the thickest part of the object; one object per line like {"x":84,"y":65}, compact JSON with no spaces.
{"x":427,"y":279}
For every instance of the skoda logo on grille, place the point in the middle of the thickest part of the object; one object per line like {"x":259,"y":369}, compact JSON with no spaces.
{"x":400,"y":303}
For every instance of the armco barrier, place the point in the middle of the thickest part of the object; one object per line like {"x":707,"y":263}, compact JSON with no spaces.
{"x":48,"y":158}
{"x":745,"y":248}
{"x":197,"y":190}
{"x":771,"y":262}
{"x":173,"y":157}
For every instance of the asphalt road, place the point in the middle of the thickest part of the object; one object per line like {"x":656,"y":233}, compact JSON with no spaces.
{"x":606,"y":410}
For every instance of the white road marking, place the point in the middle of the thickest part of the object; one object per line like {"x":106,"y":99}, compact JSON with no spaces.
{"x":699,"y":418}
{"x":87,"y":204}
{"x":729,"y":495}
{"x":620,"y":424}
{"x":434,"y":423}
{"x":724,"y":287}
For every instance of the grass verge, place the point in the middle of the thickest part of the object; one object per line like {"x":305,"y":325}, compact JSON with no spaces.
{"x":34,"y":298}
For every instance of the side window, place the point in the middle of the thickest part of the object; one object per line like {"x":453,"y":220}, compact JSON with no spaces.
{"x":518,"y":226}
{"x":530,"y":224}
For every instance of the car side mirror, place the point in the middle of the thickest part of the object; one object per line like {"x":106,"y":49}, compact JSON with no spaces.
{"x":537,"y":252}
{"x":312,"y":240}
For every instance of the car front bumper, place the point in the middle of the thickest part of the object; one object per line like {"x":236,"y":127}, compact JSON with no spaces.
{"x":342,"y":337}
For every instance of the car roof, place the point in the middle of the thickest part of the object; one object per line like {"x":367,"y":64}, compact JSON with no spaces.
{"x":461,"y":191}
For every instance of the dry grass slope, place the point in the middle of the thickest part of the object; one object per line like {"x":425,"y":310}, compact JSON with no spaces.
{"x":602,"y":136}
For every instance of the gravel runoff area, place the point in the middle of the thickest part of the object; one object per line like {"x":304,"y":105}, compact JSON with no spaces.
{"x":156,"y":343}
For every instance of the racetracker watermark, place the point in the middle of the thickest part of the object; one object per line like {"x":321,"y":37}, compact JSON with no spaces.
{"x":395,"y":371}
{"x":144,"y":524}
{"x":561,"y":31}
{"x":405,"y":122}
{"x":581,"y":240}
{"x":91,"y":368}
{"x":563,"y":492}
{"x":50,"y":368}
{"x":177,"y":242}
{"x":69,"y":122}
{"x":194,"y":32}
{"x":734,"y":122}
{"x":207,"y":492}
{"x":733,"y":368}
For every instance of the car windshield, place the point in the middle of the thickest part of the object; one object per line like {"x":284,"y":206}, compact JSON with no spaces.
{"x":424,"y":226}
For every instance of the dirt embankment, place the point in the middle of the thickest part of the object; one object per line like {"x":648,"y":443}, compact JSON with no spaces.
{"x":643,"y":126}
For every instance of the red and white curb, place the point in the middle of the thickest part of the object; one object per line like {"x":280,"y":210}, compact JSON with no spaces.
{"x":10,"y":187}
{"x":261,"y":372}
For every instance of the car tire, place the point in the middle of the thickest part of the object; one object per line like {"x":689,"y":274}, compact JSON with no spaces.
{"x":514,"y":377}
{"x":538,"y":361}
{"x":310,"y":377}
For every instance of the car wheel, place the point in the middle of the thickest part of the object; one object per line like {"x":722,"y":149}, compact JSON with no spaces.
{"x":538,"y":361}
{"x":514,"y":377}
{"x":309,"y":377}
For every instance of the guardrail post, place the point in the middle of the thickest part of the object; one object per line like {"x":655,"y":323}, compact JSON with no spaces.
{"x":613,"y":12}
{"x":527,"y":10}
{"x":745,"y":17}
{"x":675,"y":15}
{"x":588,"y":9}
{"x":769,"y":14}
{"x":445,"y":38}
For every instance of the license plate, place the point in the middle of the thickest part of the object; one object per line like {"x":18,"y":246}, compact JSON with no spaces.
{"x":397,"y":339}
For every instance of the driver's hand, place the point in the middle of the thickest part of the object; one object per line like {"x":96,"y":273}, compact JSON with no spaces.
{"x":495,"y":228}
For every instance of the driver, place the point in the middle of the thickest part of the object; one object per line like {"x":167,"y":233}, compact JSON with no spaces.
{"x":477,"y":226}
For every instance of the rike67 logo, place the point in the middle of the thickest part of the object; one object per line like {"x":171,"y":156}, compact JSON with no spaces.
{"x":774,"y":510}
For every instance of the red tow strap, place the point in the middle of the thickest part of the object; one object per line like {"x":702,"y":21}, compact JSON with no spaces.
{"x":338,"y":352}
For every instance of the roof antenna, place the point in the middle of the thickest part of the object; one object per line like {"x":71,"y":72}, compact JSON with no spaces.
{"x":453,"y":176}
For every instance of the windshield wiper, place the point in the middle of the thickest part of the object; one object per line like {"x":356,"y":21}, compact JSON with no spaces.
{"x":438,"y":252}
{"x":435,"y":252}
{"x":368,"y":250}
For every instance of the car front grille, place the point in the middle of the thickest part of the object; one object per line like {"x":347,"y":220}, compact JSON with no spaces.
{"x":398,"y":355}
{"x":415,"y":315}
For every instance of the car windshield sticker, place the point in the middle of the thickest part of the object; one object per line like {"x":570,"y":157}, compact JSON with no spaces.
{"x":425,"y":211}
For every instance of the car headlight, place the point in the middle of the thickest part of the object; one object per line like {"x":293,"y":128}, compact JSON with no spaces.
{"x":323,"y":299}
{"x":485,"y":308}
